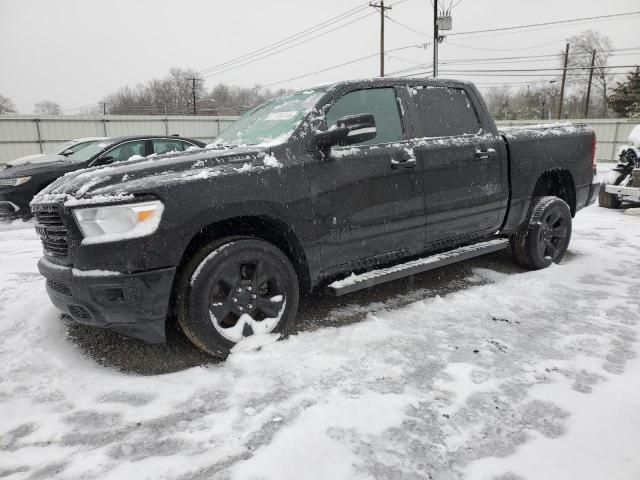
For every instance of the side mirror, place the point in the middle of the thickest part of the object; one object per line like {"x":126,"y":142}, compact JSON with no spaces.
{"x":67,"y":152}
{"x":349,"y":130}
{"x":102,"y":161}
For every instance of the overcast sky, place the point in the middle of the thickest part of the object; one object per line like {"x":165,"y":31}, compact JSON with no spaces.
{"x":75,"y":52}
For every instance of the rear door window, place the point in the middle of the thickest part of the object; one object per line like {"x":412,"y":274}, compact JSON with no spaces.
{"x":443,"y":112}
{"x":187,"y":145}
{"x":162,"y":146}
{"x":127,"y":150}
{"x":380,"y":102}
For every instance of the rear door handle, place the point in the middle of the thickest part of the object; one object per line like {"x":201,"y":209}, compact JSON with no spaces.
{"x":489,"y":152}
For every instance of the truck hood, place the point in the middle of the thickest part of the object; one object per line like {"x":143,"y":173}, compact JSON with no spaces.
{"x":120,"y":182}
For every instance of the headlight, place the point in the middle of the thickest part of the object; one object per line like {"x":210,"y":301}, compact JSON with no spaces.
{"x":118,"y":222}
{"x":14,"y":182}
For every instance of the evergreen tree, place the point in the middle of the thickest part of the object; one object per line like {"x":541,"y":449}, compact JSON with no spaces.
{"x":625,"y":97}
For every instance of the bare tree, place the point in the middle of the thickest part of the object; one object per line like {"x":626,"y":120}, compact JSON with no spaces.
{"x":581,"y":47}
{"x":47,"y":107}
{"x":535,"y":101}
{"x":174,"y":95}
{"x":497,"y":99}
{"x":6,"y":105}
{"x":234,"y":100}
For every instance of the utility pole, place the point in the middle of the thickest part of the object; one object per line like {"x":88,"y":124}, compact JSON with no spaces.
{"x":435,"y":38}
{"x":586,"y":105}
{"x":382,"y":10}
{"x":564,"y":79}
{"x":193,"y":91}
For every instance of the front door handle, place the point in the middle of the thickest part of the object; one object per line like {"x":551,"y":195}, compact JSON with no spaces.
{"x":489,"y":152}
{"x":405,"y":159}
{"x":408,"y":163}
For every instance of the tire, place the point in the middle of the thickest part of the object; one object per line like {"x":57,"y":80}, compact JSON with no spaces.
{"x":609,"y":200}
{"x":543,"y":238}
{"x":234,"y":288}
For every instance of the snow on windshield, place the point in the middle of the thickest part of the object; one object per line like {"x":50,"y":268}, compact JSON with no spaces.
{"x":272,"y":122}
{"x":87,"y":152}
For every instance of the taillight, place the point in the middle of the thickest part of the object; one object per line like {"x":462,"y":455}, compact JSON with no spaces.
{"x":594,"y":161}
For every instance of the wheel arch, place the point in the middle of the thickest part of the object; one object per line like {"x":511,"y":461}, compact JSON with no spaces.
{"x":558,"y":183}
{"x":262,"y":226}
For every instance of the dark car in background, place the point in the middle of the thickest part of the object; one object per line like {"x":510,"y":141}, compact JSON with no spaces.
{"x":20,"y":183}
{"x":63,"y":150}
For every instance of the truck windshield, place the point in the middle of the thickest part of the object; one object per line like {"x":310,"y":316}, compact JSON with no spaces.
{"x":272,"y":122}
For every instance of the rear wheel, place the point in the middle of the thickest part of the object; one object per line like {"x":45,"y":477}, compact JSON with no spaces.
{"x":544,"y":236}
{"x":233,"y":289}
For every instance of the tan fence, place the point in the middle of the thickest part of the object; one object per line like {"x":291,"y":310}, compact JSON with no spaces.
{"x":28,"y":134}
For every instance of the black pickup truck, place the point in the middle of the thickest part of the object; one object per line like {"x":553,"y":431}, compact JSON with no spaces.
{"x":337,"y":187}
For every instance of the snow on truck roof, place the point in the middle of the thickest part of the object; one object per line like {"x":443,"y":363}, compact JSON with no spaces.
{"x":388,"y":81}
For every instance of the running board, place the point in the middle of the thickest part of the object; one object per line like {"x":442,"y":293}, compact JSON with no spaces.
{"x":355,"y":282}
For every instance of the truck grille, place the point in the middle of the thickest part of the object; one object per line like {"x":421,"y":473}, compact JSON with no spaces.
{"x":52,"y":233}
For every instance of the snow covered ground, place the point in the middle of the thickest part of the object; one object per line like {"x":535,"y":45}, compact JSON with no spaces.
{"x":519,"y":375}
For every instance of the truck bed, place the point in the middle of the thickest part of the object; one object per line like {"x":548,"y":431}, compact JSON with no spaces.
{"x":533,"y":150}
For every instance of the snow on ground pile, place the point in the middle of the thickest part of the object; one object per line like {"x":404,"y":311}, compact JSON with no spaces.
{"x":525,"y":375}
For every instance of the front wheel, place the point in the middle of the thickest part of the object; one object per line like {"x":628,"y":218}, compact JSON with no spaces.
{"x":544,"y":236}
{"x":233,"y":289}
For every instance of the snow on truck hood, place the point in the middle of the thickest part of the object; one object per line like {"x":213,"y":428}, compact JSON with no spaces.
{"x":119,"y":182}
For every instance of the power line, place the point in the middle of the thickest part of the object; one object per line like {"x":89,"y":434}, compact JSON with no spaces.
{"x":283,"y":45}
{"x":407,"y":27}
{"x":333,"y":67}
{"x":290,"y":38}
{"x":528,"y":75}
{"x":285,"y":48}
{"x":557,"y":22}
{"x":444,"y":62}
{"x":537,"y":69}
{"x":503,"y":49}
{"x":516,"y":27}
{"x":518,"y":59}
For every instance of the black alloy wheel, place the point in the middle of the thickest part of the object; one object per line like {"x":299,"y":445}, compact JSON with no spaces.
{"x":543,"y":238}
{"x":233,"y":289}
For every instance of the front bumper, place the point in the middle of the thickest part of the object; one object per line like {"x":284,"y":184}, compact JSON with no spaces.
{"x":631,"y":194}
{"x":9,"y":210}
{"x":14,"y":203}
{"x":133,"y":304}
